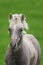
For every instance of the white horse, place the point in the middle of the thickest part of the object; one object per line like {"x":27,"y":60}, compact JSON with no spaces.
{"x":24,"y":49}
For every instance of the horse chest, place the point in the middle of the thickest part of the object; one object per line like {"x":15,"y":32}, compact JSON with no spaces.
{"x":19,"y":58}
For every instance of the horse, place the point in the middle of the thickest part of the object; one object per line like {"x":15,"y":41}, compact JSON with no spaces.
{"x":23,"y":49}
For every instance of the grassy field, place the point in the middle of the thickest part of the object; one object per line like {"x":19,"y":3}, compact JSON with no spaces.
{"x":32,"y":9}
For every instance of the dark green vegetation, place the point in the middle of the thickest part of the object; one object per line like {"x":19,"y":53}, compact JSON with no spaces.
{"x":32,"y":9}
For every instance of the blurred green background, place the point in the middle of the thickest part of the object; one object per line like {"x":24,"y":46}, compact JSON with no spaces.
{"x":32,"y":9}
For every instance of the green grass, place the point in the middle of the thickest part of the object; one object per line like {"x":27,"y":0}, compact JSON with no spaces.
{"x":32,"y":9}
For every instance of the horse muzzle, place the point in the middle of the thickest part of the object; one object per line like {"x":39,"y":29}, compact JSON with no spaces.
{"x":13,"y":45}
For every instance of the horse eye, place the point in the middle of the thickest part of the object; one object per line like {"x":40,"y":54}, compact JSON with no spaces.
{"x":20,"y":29}
{"x":9,"y":30}
{"x":15,"y":18}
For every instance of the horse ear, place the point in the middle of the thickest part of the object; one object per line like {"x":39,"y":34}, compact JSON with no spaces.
{"x":22,"y":17}
{"x":10,"y":16}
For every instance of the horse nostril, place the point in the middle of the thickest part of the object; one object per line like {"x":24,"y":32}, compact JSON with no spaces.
{"x":15,"y":45}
